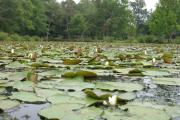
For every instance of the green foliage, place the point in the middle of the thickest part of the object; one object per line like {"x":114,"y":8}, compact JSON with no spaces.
{"x":15,"y":37}
{"x":22,"y":16}
{"x":149,"y":39}
{"x":164,"y":20}
{"x":89,"y":20}
{"x":78,"y":25}
{"x":141,"y":15}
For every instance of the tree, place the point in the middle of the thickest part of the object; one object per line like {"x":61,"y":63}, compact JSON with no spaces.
{"x":164,"y":19}
{"x":112,"y":18}
{"x":23,"y":16}
{"x":88,"y":10}
{"x":68,"y":7}
{"x":39,"y":18}
{"x":78,"y":25}
{"x":54,"y":13}
{"x":14,"y":16}
{"x":141,"y":16}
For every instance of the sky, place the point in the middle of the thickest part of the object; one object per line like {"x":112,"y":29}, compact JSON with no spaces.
{"x":149,"y":3}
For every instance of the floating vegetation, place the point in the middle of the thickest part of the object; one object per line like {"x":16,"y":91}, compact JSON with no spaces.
{"x":83,"y":81}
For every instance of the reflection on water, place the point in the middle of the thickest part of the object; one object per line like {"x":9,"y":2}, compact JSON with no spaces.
{"x":24,"y":112}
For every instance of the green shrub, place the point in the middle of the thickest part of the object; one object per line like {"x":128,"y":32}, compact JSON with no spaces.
{"x":149,"y":39}
{"x":4,"y":36}
{"x":15,"y":37}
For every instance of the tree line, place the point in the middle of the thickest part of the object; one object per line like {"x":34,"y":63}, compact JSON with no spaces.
{"x":95,"y":19}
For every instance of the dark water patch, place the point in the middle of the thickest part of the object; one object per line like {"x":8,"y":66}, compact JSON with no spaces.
{"x":24,"y":112}
{"x":163,"y":94}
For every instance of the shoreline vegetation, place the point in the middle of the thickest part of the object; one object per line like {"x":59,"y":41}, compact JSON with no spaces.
{"x":90,"y":20}
{"x":140,"y":39}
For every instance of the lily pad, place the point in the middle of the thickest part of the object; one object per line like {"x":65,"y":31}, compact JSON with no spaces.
{"x":128,"y":87}
{"x":47,"y":92}
{"x":26,"y":97}
{"x":71,"y":61}
{"x":127,"y":96}
{"x":24,"y":86}
{"x":156,"y":73}
{"x":104,"y":95}
{"x":136,"y":113}
{"x":17,"y":76}
{"x":167,"y":81}
{"x":51,"y":73}
{"x":3,"y":97}
{"x":60,"y":98}
{"x":8,"y":104}
{"x":69,"y":85}
{"x":123,"y":71}
{"x":85,"y":74}
{"x":70,"y":112}
{"x":15,"y":65}
{"x":99,"y":95}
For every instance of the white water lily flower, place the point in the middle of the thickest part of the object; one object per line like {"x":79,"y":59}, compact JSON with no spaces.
{"x":106,"y":63}
{"x":12,"y":51}
{"x":105,"y":102}
{"x":113,"y":100}
{"x":30,"y":55}
{"x":41,"y":46}
{"x":96,"y":50}
{"x":145,"y":52}
{"x":154,"y":60}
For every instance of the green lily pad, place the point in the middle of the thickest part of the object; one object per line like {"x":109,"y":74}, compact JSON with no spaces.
{"x":39,"y":65}
{"x":167,"y":81}
{"x":156,"y":73}
{"x":51,"y":73}
{"x":128,"y":87}
{"x":60,"y":98}
{"x":24,"y":86}
{"x":169,"y":111}
{"x":135,"y":72}
{"x":97,"y":94}
{"x":135,"y":112}
{"x":3,"y":97}
{"x":104,"y":95}
{"x":47,"y":92}
{"x":85,"y":74}
{"x":74,"y":85}
{"x":71,"y":61}
{"x":17,"y":76}
{"x":127,"y":96}
{"x":123,"y":71}
{"x":26,"y":97}
{"x":70,"y":112}
{"x":8,"y":104}
{"x":15,"y":65}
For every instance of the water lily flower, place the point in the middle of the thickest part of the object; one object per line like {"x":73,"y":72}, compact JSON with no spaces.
{"x":41,"y":46}
{"x":113,"y":100}
{"x":12,"y":51}
{"x":105,"y":102}
{"x":145,"y":52}
{"x":154,"y":60}
{"x":106,"y":63}
{"x":96,"y":49}
{"x":30,"y":55}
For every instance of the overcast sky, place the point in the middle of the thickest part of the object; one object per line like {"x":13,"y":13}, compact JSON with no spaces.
{"x":150,"y":3}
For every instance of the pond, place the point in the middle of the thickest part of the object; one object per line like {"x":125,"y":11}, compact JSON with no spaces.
{"x":83,"y":81}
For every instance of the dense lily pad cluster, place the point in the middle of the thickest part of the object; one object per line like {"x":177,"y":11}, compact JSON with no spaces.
{"x":76,"y":79}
